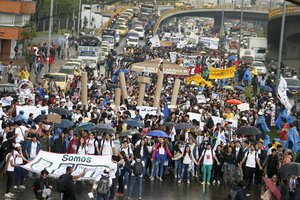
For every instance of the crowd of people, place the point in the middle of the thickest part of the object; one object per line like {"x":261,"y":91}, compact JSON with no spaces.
{"x":207,"y":151}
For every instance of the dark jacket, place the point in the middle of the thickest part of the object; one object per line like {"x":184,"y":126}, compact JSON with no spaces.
{"x":146,"y":153}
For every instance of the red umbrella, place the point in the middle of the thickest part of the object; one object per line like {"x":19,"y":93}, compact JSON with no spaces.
{"x":233,"y":101}
{"x":272,"y":187}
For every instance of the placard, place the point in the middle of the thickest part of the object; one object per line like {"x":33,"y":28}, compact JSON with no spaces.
{"x":31,"y":109}
{"x":54,"y":118}
{"x":56,"y":164}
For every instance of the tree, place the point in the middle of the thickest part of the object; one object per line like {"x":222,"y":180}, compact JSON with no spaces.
{"x":28,"y":32}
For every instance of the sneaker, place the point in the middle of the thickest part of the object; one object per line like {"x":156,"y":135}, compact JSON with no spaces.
{"x":160,"y":179}
{"x":15,"y":187}
{"x":248,"y":195}
{"x":203,"y":183}
{"x":125,"y":186}
{"x":11,"y":194}
{"x":214,"y":182}
{"x":179,"y":181}
{"x":208,"y":184}
{"x":139,"y":198}
{"x":188,"y":182}
{"x":151,"y":178}
{"x":7,"y":195}
{"x":219,"y":182}
{"x":22,"y":187}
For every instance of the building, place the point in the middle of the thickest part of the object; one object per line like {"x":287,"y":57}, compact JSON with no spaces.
{"x":13,"y":16}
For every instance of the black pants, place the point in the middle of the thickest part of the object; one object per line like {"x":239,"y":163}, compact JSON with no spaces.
{"x":249,"y":172}
{"x":10,"y":180}
{"x":113,"y":189}
{"x":217,"y":172}
{"x":258,"y":176}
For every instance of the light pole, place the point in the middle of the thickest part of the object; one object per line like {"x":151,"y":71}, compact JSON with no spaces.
{"x":50,"y":35}
{"x":79,"y":18}
{"x":222,"y":21}
{"x":281,"y":43}
{"x":241,"y":22}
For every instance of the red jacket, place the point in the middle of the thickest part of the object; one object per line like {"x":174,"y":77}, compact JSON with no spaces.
{"x":155,"y":152}
{"x":72,"y":146}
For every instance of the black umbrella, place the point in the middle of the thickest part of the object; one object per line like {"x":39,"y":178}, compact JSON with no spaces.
{"x":248,"y":130}
{"x":129,"y":132}
{"x":60,"y":111}
{"x":104,"y":128}
{"x":40,"y":118}
{"x":292,"y":168}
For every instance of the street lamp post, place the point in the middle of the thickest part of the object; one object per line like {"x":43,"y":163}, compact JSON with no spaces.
{"x":49,"y":34}
{"x":241,"y":22}
{"x":222,"y":21}
{"x":281,"y":43}
{"x":79,"y":18}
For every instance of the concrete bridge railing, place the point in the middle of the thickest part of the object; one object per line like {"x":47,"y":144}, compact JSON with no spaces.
{"x":278,"y":11}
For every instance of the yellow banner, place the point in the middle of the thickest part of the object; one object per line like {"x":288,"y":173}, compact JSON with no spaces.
{"x":197,"y":80}
{"x":221,"y":73}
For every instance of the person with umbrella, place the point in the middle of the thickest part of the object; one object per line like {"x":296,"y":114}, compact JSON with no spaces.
{"x":159,"y":156}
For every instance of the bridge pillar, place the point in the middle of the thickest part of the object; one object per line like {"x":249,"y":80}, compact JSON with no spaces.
{"x":217,"y":23}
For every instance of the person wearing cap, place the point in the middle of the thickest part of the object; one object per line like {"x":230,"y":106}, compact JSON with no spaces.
{"x":19,"y":171}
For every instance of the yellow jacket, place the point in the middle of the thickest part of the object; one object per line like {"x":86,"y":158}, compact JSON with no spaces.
{"x":24,"y":74}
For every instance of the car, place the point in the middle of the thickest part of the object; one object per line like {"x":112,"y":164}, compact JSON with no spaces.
{"x":136,"y":11}
{"x":110,"y":39}
{"x":7,"y":89}
{"x":290,"y":71}
{"x":293,"y":84}
{"x":117,"y":24}
{"x":130,"y":14}
{"x":132,"y":34}
{"x":209,"y":5}
{"x":133,"y":41}
{"x":75,"y":61}
{"x":138,"y":24}
{"x":140,"y":31}
{"x":125,"y":17}
{"x":122,"y":20}
{"x":260,"y":67}
{"x":60,"y":79}
{"x":89,"y":58}
{"x":122,"y":30}
{"x":67,"y":69}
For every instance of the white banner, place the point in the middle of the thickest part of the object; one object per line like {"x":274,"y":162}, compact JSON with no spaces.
{"x":56,"y":164}
{"x":243,"y":106}
{"x":196,"y":116}
{"x":282,"y":93}
{"x":31,"y":109}
{"x":155,"y":42}
{"x":144,"y":110}
{"x":6,"y":101}
{"x":212,"y":43}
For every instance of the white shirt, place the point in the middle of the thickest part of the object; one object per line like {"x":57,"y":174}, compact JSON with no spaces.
{"x":10,"y":168}
{"x":81,"y":150}
{"x":126,"y":150}
{"x":91,"y":146}
{"x":251,"y":162}
{"x":113,"y":170}
{"x":107,"y":148}
{"x":33,"y":150}
{"x":18,"y":160}
{"x":208,"y":157}
{"x":161,"y":151}
{"x":186,"y":159}
{"x":20,"y":131}
{"x":117,"y":145}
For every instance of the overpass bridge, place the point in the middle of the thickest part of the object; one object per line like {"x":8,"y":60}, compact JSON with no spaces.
{"x":291,"y":41}
{"x":230,"y":12}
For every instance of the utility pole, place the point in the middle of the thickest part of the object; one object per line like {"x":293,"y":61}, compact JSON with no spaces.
{"x":222,"y":21}
{"x":50,"y":34}
{"x":281,"y":43}
{"x":241,"y":22}
{"x":79,"y":18}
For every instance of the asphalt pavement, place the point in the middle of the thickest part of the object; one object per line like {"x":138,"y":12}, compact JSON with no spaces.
{"x":169,"y":189}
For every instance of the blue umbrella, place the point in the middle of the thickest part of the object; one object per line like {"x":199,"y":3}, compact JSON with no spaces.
{"x":104,"y":128}
{"x":265,"y":88}
{"x":65,"y":123}
{"x":85,"y":126}
{"x":239,"y":88}
{"x":134,"y":122}
{"x":158,"y":133}
{"x":233,"y":57}
{"x":184,"y":126}
{"x":126,"y":71}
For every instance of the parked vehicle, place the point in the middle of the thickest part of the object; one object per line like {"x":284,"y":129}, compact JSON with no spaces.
{"x":260,"y":67}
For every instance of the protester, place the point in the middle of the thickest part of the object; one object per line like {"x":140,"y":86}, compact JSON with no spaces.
{"x":41,"y":187}
{"x":102,"y":185}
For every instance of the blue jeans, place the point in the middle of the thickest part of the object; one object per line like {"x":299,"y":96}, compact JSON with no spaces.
{"x":177,"y":168}
{"x":121,"y":181}
{"x":132,"y":182}
{"x":102,"y":196}
{"x":185,"y":169}
{"x":145,"y":160}
{"x":19,"y":175}
{"x":158,"y":164}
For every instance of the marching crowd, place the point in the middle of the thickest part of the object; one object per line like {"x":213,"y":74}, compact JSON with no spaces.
{"x":195,"y":149}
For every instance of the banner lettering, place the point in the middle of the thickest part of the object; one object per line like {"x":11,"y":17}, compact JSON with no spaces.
{"x":221,"y":73}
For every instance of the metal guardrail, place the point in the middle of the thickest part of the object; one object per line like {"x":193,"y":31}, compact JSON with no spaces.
{"x":169,"y":13}
{"x":105,"y":25}
{"x":289,"y":9}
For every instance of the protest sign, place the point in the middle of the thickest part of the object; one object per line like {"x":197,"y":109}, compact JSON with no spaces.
{"x":6,"y":101}
{"x":196,"y":116}
{"x":31,"y":109}
{"x":144,"y":110}
{"x":221,"y":73}
{"x":56,"y":164}
{"x":155,"y":42}
{"x":243,"y":106}
{"x":211,"y":43}
{"x":215,"y":95}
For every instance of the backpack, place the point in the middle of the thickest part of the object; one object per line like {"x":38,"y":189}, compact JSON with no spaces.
{"x":61,"y":184}
{"x":138,"y":168}
{"x":96,"y":153}
{"x":233,"y":193}
{"x":103,"y":185}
